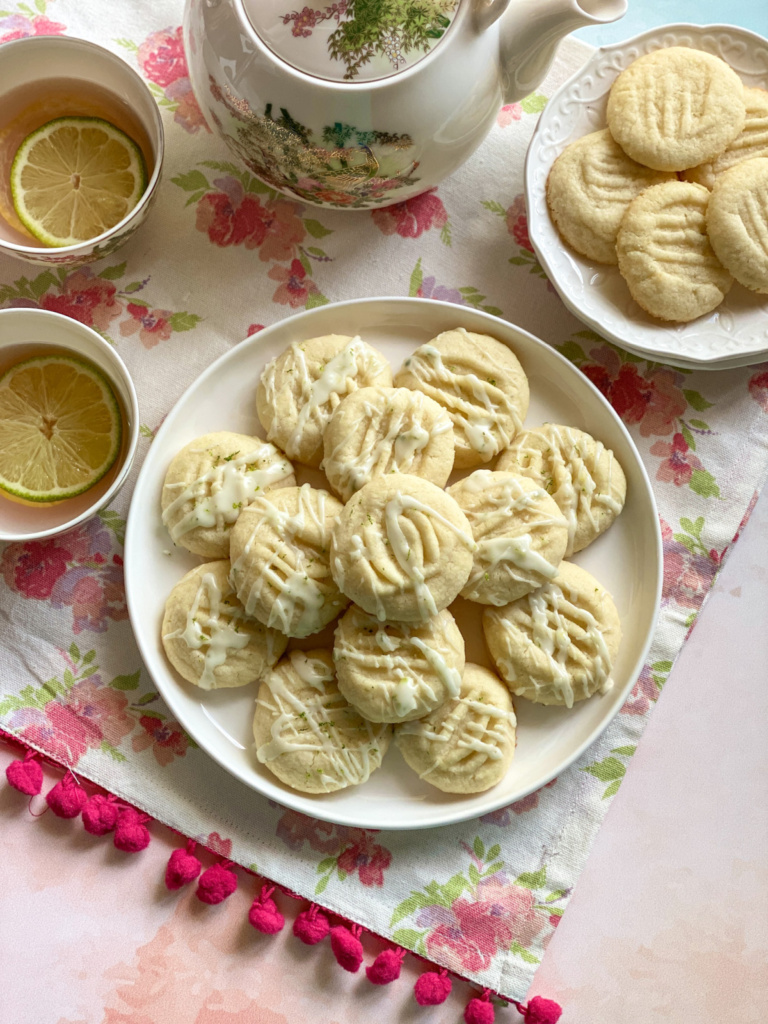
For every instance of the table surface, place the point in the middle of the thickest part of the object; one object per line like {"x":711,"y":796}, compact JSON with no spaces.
{"x":669,"y":921}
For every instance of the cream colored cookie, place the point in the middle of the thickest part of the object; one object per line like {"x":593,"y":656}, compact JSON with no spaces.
{"x":676,"y":108}
{"x":280,"y":560}
{"x":467,"y":745}
{"x":482,"y":385}
{"x":211,"y":480}
{"x":401,"y":548}
{"x":299,"y":390}
{"x":737,"y":222}
{"x":207,"y":636}
{"x":665,"y":255}
{"x":386,"y":430}
{"x":307,"y":734}
{"x":396,"y":671}
{"x":520,"y":532}
{"x":589,"y":187}
{"x":557,"y":644}
{"x":583,"y":477}
{"x":751,"y":143}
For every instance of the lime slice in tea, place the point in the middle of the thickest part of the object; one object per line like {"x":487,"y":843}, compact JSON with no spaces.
{"x":60,"y":428}
{"x":75,"y":178}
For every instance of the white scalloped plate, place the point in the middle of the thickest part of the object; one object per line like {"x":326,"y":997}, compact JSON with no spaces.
{"x":736,"y":333}
{"x":626,"y":559}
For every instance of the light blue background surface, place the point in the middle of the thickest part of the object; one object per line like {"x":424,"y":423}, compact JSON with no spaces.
{"x":645,"y":14}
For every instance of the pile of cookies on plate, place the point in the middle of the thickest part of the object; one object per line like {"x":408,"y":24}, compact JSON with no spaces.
{"x":675,"y":189}
{"x":387,"y":554}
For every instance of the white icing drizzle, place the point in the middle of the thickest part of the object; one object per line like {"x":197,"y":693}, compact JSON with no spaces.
{"x":231,"y":484}
{"x":483,"y":419}
{"x":300,"y":599}
{"x":219,"y":637}
{"x":404,"y":437}
{"x":573,"y":487}
{"x":319,"y":731}
{"x":485,"y":734}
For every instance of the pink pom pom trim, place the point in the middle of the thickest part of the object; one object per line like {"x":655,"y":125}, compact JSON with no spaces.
{"x":216,"y":883}
{"x":26,"y":775}
{"x":432,"y":988}
{"x":67,"y":798}
{"x":100,"y":814}
{"x":131,"y":834}
{"x":347,"y":947}
{"x":182,"y":867}
{"x":264,"y":915}
{"x":480,"y":1011}
{"x":311,"y":926}
{"x":540,"y":1011}
{"x":386,"y":967}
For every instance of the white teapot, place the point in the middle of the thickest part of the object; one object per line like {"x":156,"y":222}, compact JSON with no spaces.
{"x":363,"y":103}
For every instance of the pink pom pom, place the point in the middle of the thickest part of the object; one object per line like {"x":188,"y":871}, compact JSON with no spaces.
{"x":347,"y":947}
{"x":26,"y":775}
{"x":541,"y":1011}
{"x":431,"y":989}
{"x":131,"y":834}
{"x":311,"y":926}
{"x":182,"y":867}
{"x":386,"y":967}
{"x":100,"y":815}
{"x":264,"y":915}
{"x":67,"y":798}
{"x":480,"y":1011}
{"x":216,"y":883}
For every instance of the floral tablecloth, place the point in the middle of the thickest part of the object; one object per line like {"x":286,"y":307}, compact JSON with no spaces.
{"x":221,"y":257}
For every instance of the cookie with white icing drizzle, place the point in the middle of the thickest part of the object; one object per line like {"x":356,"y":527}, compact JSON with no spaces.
{"x":210,"y":480}
{"x":305,"y":731}
{"x":380,"y":430}
{"x":480,"y":383}
{"x":299,"y":390}
{"x":397,"y":671}
{"x":467,"y":745}
{"x":583,"y":477}
{"x":557,"y":644}
{"x":521,"y":535}
{"x":207,"y":636}
{"x":280,"y":551}
{"x":401,"y":549}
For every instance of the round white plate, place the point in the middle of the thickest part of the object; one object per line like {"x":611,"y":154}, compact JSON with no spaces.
{"x":626,"y":559}
{"x":736,"y":333}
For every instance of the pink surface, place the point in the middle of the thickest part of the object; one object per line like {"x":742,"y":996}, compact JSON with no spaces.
{"x":669,"y":921}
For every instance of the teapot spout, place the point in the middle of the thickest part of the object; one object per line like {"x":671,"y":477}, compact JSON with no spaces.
{"x":530,"y":31}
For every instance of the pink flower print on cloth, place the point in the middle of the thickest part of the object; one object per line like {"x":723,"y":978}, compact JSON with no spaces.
{"x":162,"y":61}
{"x":27,"y":23}
{"x":413,"y":217}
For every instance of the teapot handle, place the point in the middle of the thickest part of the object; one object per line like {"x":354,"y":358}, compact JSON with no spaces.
{"x":488,"y":11}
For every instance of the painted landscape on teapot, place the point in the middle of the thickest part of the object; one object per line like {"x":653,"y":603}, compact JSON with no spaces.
{"x":337,"y":165}
{"x":352,"y":40}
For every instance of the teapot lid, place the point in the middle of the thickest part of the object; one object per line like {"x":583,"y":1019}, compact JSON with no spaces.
{"x":351,"y":40}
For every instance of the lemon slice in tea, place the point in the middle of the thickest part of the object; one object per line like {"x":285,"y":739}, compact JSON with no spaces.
{"x":60,"y":428}
{"x":75,"y":178}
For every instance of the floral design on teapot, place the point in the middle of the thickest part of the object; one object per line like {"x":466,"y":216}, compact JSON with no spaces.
{"x":400,"y":31}
{"x":340,"y":165}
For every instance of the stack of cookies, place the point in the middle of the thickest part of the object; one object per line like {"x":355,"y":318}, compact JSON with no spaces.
{"x":386,"y":555}
{"x":675,"y":189}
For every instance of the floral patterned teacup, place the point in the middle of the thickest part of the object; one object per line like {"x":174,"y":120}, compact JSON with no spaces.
{"x":25,"y":333}
{"x":43,"y":77}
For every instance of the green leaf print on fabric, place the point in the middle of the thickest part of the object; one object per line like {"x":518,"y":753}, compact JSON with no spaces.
{"x":426,"y":287}
{"x":230,"y":210}
{"x":611,"y":769}
{"x":516,"y":221}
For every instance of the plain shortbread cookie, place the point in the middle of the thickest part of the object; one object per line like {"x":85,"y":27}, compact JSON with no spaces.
{"x":467,"y":745}
{"x":207,"y":636}
{"x":307,"y":734}
{"x":300,"y":388}
{"x":751,"y":143}
{"x":386,"y":430}
{"x":401,"y":548}
{"x":556,"y":645}
{"x":481,"y":384}
{"x":676,"y":108}
{"x":737,"y":221}
{"x":665,"y":255}
{"x":589,"y":187}
{"x":210,"y":480}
